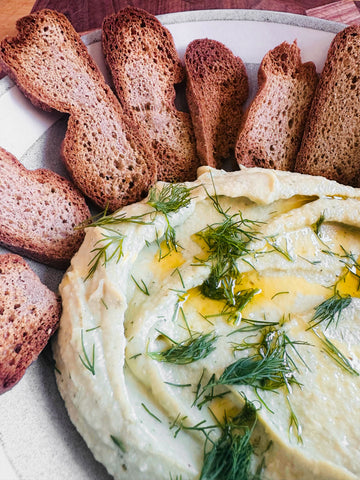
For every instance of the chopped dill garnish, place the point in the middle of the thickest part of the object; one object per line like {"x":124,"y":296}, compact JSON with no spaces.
{"x":225,"y":243}
{"x":104,"y":303}
{"x":102,"y":257}
{"x":269,"y":368}
{"x":180,"y":276}
{"x":279,"y":293}
{"x":92,"y":329}
{"x":312,"y":262}
{"x":234,"y":306}
{"x":351,"y":266}
{"x":150,"y":413}
{"x":234,"y":302}
{"x":194,"y":348}
{"x":104,"y":219}
{"x":119,"y":443}
{"x":206,"y":393}
{"x":169,"y":199}
{"x":335,"y":354}
{"x":142,"y":288}
{"x":230,"y":456}
{"x":253,"y":325}
{"x":283,"y":251}
{"x":316,"y":226}
{"x":180,"y":385}
{"x":182,"y":297}
{"x":294,"y":424}
{"x":330,"y":310}
{"x":88,"y":364}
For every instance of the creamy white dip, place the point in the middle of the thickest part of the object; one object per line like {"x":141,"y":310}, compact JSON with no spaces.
{"x":144,"y":418}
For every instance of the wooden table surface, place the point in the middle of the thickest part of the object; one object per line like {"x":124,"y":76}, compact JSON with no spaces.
{"x":88,"y":14}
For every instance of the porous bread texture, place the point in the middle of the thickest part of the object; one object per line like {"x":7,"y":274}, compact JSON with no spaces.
{"x":39,"y":211}
{"x":145,"y":66}
{"x":216,"y":88}
{"x":103,"y":149}
{"x":29,"y":315}
{"x":331,"y":142}
{"x":274,"y":123}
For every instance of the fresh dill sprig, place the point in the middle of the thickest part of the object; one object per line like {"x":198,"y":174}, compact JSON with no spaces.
{"x":147,"y":410}
{"x":194,"y":348}
{"x":352,"y":266}
{"x":253,"y":325}
{"x":101,"y":250}
{"x":317,"y":225}
{"x":225,"y":243}
{"x":85,"y":360}
{"x":104,"y":219}
{"x":330,"y":310}
{"x":179,"y":385}
{"x":294,"y":424}
{"x":180,"y":276}
{"x":110,"y":237}
{"x":235,"y":305}
{"x":235,"y":302}
{"x":283,"y":251}
{"x":144,"y":289}
{"x":171,"y":198}
{"x":206,"y":393}
{"x":182,"y":297}
{"x":269,"y":368}
{"x":335,"y":354}
{"x":119,"y":443}
{"x":230,"y":456}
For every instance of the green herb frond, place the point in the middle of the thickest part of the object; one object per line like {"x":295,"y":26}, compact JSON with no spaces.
{"x":194,"y":348}
{"x":105,"y":219}
{"x":230,"y":456}
{"x":317,"y":225}
{"x":271,"y":240}
{"x":234,"y":306}
{"x":226,"y":242}
{"x":253,"y":325}
{"x":295,"y":427}
{"x":330,"y":310}
{"x":143,"y":288}
{"x":269,"y":368}
{"x":147,"y":410}
{"x":205,"y":393}
{"x":170,"y":198}
{"x":335,"y":354}
{"x":88,"y":363}
{"x":119,"y":443}
{"x":351,"y":265}
{"x":101,"y":250}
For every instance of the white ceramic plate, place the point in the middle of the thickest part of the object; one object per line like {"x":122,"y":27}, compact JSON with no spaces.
{"x":37,"y":439}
